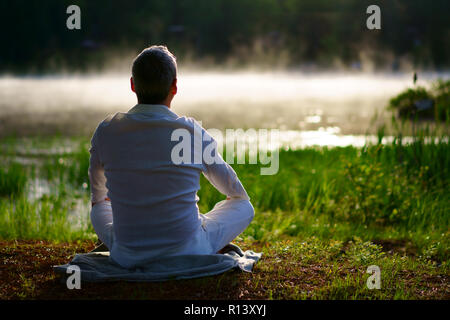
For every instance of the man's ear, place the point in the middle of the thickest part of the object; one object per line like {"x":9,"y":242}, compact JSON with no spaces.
{"x":132,"y":84}
{"x":174,"y":87}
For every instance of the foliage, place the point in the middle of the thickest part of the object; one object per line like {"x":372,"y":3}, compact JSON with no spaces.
{"x":423,"y":103}
{"x":243,"y":31}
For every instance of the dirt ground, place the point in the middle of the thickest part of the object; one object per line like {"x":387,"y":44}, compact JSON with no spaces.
{"x":26,"y":273}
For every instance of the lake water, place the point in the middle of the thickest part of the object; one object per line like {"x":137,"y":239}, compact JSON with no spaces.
{"x":308,"y":108}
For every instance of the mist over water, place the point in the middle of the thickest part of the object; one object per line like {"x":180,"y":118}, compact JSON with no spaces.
{"x":332,"y":103}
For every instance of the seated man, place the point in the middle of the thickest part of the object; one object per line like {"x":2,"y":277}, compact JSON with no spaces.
{"x":144,"y":205}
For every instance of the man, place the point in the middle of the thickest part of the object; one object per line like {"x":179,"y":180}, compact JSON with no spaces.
{"x":144,"y":205}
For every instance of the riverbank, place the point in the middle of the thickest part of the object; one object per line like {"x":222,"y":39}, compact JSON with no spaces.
{"x":321,"y":221}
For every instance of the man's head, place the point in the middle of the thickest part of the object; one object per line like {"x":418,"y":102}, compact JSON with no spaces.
{"x":154,"y":76}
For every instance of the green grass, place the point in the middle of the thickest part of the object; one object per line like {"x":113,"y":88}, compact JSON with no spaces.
{"x":391,"y":191}
{"x":47,"y":218}
{"x":12,"y":179}
{"x":340,"y":208}
{"x":377,"y":192}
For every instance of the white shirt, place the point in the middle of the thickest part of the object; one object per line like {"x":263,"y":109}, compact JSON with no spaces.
{"x":154,"y":200}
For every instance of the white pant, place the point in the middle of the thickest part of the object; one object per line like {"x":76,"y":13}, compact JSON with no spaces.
{"x":220,"y":226}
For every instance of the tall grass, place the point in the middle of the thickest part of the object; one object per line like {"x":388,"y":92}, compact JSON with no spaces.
{"x":46,"y":219}
{"x":13,"y":179}
{"x":391,"y":191}
{"x":50,"y":216}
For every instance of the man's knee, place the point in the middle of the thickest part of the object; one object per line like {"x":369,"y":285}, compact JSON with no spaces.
{"x":249,"y":210}
{"x":101,"y":216}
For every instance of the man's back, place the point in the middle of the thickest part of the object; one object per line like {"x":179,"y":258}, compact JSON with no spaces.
{"x":144,"y":185}
{"x":154,"y":201}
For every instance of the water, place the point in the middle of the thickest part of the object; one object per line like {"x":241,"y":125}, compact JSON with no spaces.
{"x":324,"y":109}
{"x":308,"y":109}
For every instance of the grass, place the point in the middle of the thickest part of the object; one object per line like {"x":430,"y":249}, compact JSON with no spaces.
{"x":325,"y":217}
{"x":12,"y":180}
{"x":294,"y":270}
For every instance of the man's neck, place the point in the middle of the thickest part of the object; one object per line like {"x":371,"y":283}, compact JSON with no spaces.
{"x":163,"y":103}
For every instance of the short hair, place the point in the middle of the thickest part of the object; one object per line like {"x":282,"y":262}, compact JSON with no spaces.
{"x":153,"y":72}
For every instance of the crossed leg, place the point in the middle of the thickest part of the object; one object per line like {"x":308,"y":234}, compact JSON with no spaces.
{"x":222,"y":224}
{"x":226,"y":221}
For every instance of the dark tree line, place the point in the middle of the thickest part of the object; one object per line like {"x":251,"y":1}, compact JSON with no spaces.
{"x":35,"y":38}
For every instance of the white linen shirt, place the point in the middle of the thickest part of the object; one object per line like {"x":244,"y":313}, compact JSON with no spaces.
{"x":153,"y":200}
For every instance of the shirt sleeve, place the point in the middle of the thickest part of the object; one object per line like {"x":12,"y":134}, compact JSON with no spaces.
{"x":219,"y":173}
{"x":96,"y":173}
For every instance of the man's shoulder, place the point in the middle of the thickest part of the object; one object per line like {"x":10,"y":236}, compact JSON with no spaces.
{"x":110,"y":119}
{"x":190,"y":121}
{"x":107,"y":120}
{"x":184,"y":122}
{"x":105,"y":123}
{"x":114,"y":121}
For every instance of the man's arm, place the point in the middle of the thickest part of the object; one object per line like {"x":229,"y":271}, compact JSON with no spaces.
{"x":222,"y":176}
{"x":225,"y":180}
{"x":96,"y":174}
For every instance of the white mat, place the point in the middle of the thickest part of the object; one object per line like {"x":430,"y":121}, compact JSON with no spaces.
{"x":97,"y":266}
